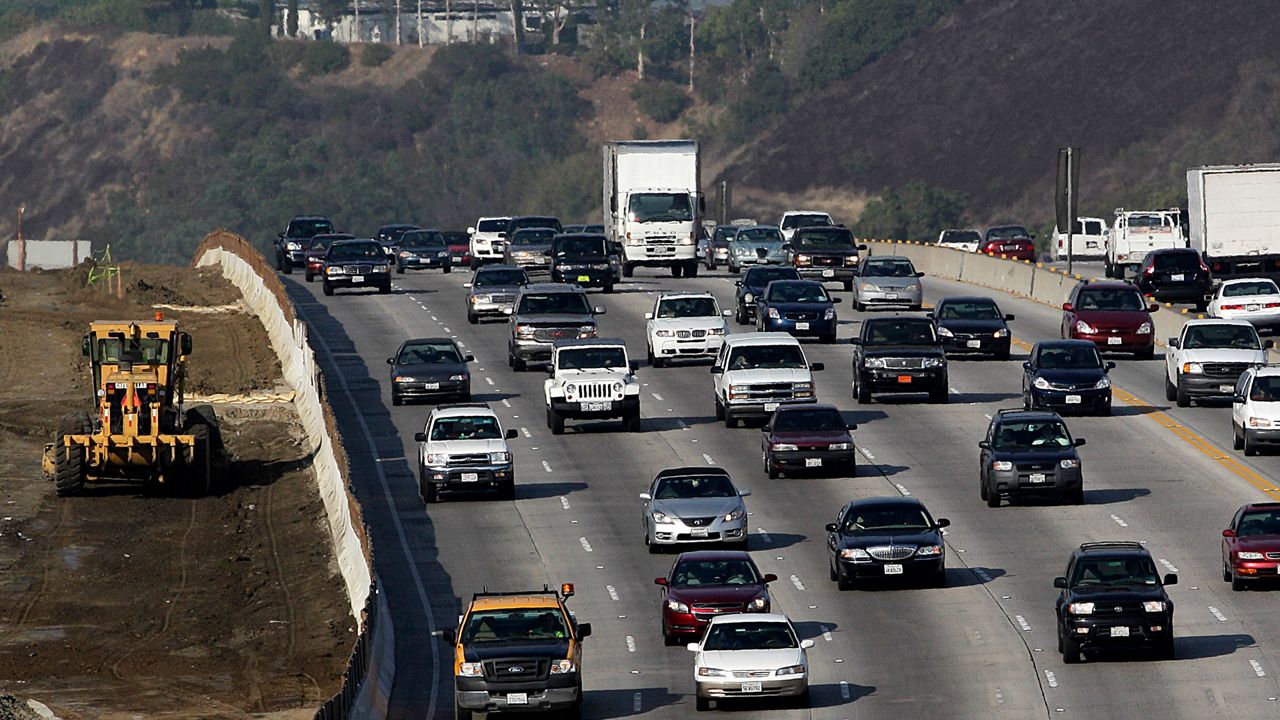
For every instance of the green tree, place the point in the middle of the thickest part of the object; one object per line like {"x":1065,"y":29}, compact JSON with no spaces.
{"x":915,"y":211}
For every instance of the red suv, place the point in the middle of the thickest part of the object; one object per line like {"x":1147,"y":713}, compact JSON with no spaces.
{"x":1113,"y":315}
{"x":1251,"y":545}
{"x":707,"y":583}
{"x":1012,"y":241}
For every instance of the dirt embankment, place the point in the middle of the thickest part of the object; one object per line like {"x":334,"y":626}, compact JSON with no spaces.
{"x":122,"y":603}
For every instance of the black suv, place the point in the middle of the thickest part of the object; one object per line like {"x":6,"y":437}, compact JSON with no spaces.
{"x":291,"y":245}
{"x":1029,"y":452}
{"x":1112,"y":597}
{"x":1066,"y":375}
{"x":752,"y":286}
{"x":582,"y":259}
{"x":1176,"y":275}
{"x":899,"y":355}
{"x":356,"y":264}
{"x":972,"y":325}
{"x":543,"y":314}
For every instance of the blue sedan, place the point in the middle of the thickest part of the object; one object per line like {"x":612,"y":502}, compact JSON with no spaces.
{"x":799,"y":307}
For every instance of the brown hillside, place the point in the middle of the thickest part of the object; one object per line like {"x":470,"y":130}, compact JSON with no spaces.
{"x":980,"y":103}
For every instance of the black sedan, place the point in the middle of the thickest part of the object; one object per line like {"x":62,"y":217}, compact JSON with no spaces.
{"x":752,"y":286}
{"x":972,"y":325}
{"x":886,"y":537}
{"x":423,"y":249}
{"x":1067,"y":376}
{"x":428,"y":368}
{"x":808,"y":438}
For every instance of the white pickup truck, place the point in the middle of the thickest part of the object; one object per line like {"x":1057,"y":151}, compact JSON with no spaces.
{"x":1138,"y":232}
{"x":1208,"y":358}
{"x":591,"y":380}
{"x":684,"y":325}
{"x":756,"y":372}
{"x":1088,"y":242}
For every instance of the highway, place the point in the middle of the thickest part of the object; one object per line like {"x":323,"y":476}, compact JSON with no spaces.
{"x":984,"y":646}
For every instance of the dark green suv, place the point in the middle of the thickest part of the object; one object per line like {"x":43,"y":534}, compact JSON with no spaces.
{"x":1112,"y":597}
{"x":1029,"y":453}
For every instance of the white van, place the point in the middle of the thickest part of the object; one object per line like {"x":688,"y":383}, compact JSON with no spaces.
{"x":1088,"y":242}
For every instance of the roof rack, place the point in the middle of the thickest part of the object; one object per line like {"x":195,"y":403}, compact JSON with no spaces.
{"x":1012,"y":410}
{"x":1117,"y":544}
{"x":565,"y":590}
{"x":451,"y":406}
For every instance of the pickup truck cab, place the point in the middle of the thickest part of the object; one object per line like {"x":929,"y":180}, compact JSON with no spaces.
{"x":463,"y":447}
{"x":684,"y":326}
{"x":1136,"y":233}
{"x":591,"y":380}
{"x":1208,"y":357}
{"x":958,"y":239}
{"x":757,"y":372}
{"x":899,"y":355}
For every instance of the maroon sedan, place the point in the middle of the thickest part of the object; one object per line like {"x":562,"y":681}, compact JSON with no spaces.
{"x":459,"y":246}
{"x":808,"y":438}
{"x":1012,"y":241}
{"x":707,"y":583}
{"x":316,"y":251}
{"x":1251,"y":545}
{"x":1113,"y":315}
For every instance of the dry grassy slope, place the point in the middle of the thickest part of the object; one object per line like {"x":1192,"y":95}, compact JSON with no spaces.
{"x":981,"y":102}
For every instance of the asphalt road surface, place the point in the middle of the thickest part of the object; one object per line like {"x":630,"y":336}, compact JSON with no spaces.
{"x":983,"y":647}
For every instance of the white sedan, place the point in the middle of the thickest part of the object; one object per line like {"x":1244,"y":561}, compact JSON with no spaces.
{"x":750,"y":655}
{"x":1254,"y":299}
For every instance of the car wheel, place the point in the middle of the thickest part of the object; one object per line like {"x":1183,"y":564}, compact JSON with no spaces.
{"x":1237,"y":583}
{"x":982,"y":488}
{"x":310,"y":277}
{"x":288,"y":267}
{"x":829,"y":339}
{"x":993,"y":498}
{"x":1002,"y":354}
{"x":1226,"y":572}
{"x":1145,"y":354}
{"x":653,"y":547}
{"x":1168,"y":649}
{"x":430,"y":493}
{"x":831,"y":568}
{"x":473,"y":318}
{"x":328,"y":289}
{"x":1028,"y":403}
{"x":555,"y":421}
{"x":1077,"y":496}
{"x":769,"y":468}
{"x":656,"y":361}
{"x":702,"y":704}
{"x":1070,"y":650}
{"x":448,"y":269}
{"x":862,"y":392}
{"x":729,"y":420}
{"x":719,"y":410}
{"x":848,"y":285}
{"x":740,"y":316}
{"x":802,"y":700}
{"x":859,"y":305}
{"x":631,"y":423}
{"x":939,"y":396}
{"x":399,"y":269}
{"x":628,"y":270}
{"x":396,"y":400}
{"x":384,"y":289}
{"x":1250,"y":447}
{"x":1202,"y":306}
{"x":1170,"y":390}
{"x":939,"y":579}
{"x":843,"y":582}
{"x":608,"y":289}
{"x":461,"y":713}
{"x":1105,"y":409}
{"x":507,"y":490}
{"x":279,"y":264}
{"x":676,"y":271}
{"x":1181,"y":396}
{"x":475,"y":263}
{"x":1237,"y":442}
{"x":691,"y":270}
{"x":518,"y":364}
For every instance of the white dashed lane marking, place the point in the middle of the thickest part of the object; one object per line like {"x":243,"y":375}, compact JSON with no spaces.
{"x":867,"y":452}
{"x":525,"y":432}
{"x":1257,"y":668}
{"x":635,"y":703}
{"x":564,"y":502}
{"x":1119,"y":521}
{"x":1218,"y":614}
{"x":613,"y":592}
{"x":1022,"y":623}
{"x":488,"y":380}
{"x":844,"y":689}
{"x":764,"y":534}
{"x":656,"y":396}
{"x":1053,"y":679}
{"x":709,"y":459}
{"x":585,"y":545}
{"x":1168,"y":565}
{"x":505,"y":402}
{"x":796,"y":581}
{"x":631,"y":644}
{"x":902,"y":489}
{"x":546,"y":466}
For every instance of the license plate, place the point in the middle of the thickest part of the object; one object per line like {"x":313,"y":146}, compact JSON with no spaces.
{"x":430,"y":386}
{"x":751,"y":687}
{"x":1120,"y":631}
{"x":1036,"y":477}
{"x":813,"y":462}
{"x":1253,"y":307}
{"x":828,"y":273}
{"x":1114,"y":340}
{"x":973,"y":343}
{"x":698,"y":532}
{"x":1009,"y":248}
{"x":770,"y":407}
{"x":1226,"y":388}
{"x":893,"y":569}
{"x":584,"y":278}
{"x":517,"y":698}
{"x":1174,"y":278}
{"x":470,"y":477}
{"x":1073,"y":399}
{"x":891,"y":296}
{"x":904,"y":379}
{"x":357,"y":278}
{"x":597,"y":406}
{"x":802,"y":326}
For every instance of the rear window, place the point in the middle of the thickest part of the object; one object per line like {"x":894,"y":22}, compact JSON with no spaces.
{"x":1108,"y":299}
{"x":491,"y":226}
{"x":1176,"y":261}
{"x":960,"y":236}
{"x":1088,"y":227}
{"x":758,"y":277}
{"x":579,"y":245}
{"x":1007,"y":233}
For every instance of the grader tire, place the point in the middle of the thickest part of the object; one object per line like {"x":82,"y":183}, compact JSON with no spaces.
{"x":197,"y":478}
{"x":209,"y":471}
{"x":69,"y":464}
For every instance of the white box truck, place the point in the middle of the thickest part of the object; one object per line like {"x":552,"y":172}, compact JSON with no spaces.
{"x":1234,"y":217}
{"x":652,"y":204}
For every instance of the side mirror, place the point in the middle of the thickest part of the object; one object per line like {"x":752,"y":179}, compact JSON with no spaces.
{"x":507,"y":311}
{"x":419,"y":437}
{"x":1173,"y":342}
{"x":1153,"y":307}
{"x":806,"y":644}
{"x":648,"y":316}
{"x":86,"y":346}
{"x":512,"y":434}
{"x":1068,"y":307}
{"x":770,"y":577}
{"x":1060,"y":582}
{"x":726,"y":313}
{"x":551,"y":369}
{"x":471,"y":231}
{"x":466,"y":285}
{"x":584,"y":630}
{"x":1171,"y":579}
{"x":851,"y":426}
{"x":450,"y":636}
{"x":836,"y":301}
{"x":1228,"y":533}
{"x":831,"y":527}
{"x":634,"y":365}
{"x":280,"y":235}
{"x":744,"y":492}
{"x":716,"y":369}
{"x":1237,"y":398}
{"x":737,"y":283}
{"x":941,"y":523}
{"x":855,"y":341}
{"x":919,"y":274}
{"x":862,"y":247}
{"x":1079,"y":442}
{"x":1008,"y":318}
{"x":468,"y":358}
{"x":928,"y":313}
{"x":1111,"y":364}
{"x":645,"y":496}
{"x":816,"y":367}
{"x":693,"y":647}
{"x":1268,"y":344}
{"x":660,"y":581}
{"x":765,"y":428}
{"x":984,"y":444}
{"x":597,"y":310}
{"x":184,"y":344}
{"x":1026,"y":365}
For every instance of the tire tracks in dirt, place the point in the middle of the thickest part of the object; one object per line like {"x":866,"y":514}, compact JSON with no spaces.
{"x":34,"y":596}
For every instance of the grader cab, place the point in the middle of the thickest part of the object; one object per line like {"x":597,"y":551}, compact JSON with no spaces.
{"x":139,"y":429}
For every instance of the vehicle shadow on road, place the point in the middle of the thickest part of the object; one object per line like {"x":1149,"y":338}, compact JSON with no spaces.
{"x":1113,"y":495}
{"x":608,"y":704}
{"x":813,"y":629}
{"x":776,"y":541}
{"x":1135,"y":410}
{"x":492,"y":397}
{"x":823,"y":695}
{"x":867,"y":468}
{"x":984,"y":397}
{"x":670,"y":422}
{"x":1199,"y":647}
{"x":972,"y":576}
{"x":538,"y":491}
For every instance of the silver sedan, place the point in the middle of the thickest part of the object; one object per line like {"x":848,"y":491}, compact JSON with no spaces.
{"x":888,"y":280}
{"x":692,"y":506}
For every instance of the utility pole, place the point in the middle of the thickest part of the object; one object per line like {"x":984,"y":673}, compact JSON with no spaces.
{"x":448,"y":22}
{"x":693,"y":24}
{"x":357,"y":39}
{"x":421,"y":40}
{"x":22,"y":242}
{"x":397,"y":22}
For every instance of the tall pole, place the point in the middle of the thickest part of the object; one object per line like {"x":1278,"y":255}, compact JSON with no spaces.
{"x":1071,"y":207}
{"x":357,"y":38}
{"x":421,"y":40}
{"x":397,"y":22}
{"x":22,"y":242}
{"x":448,"y":22}
{"x":475,"y":21}
{"x":693,"y":24}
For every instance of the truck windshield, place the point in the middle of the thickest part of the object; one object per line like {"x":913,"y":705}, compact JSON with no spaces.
{"x":900,"y":332}
{"x":807,"y":220}
{"x":308,"y":228}
{"x":562,"y":303}
{"x":1240,"y":337}
{"x":579,"y":245}
{"x":660,"y":207}
{"x":826,"y":238}
{"x":758,"y":357}
{"x":532,"y":236}
{"x":593,"y":358}
{"x":514,"y":626}
{"x":150,"y":351}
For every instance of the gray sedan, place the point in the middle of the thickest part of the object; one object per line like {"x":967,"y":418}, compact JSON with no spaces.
{"x":888,"y":280}
{"x":694,"y":505}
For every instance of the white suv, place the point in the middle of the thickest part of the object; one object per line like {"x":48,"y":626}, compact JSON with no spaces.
{"x":591,"y":380}
{"x":685,"y":325}
{"x":463,"y":447}
{"x":488,"y":240}
{"x":756,"y":372}
{"x":1255,"y":409}
{"x":1208,"y":358}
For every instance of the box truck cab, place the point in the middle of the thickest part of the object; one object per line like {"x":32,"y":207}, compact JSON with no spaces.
{"x":1138,"y":232}
{"x":652,"y":206}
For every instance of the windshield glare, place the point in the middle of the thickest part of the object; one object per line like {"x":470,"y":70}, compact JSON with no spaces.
{"x":888,"y":268}
{"x":1101,"y":573}
{"x":791,"y":292}
{"x":708,"y":486}
{"x":687,"y":307}
{"x":757,"y":357}
{"x":660,"y":207}
{"x":799,"y":221}
{"x":429,"y":354}
{"x":749,"y":636}
{"x":878,"y":518}
{"x":1031,"y":435}
{"x":148,"y":351}
{"x":514,"y":626}
{"x":593,"y":358}
{"x":1118,"y":300}
{"x":416,"y":239}
{"x":532,"y":236}
{"x":825,"y":420}
{"x":1252,"y":287}
{"x":900,"y":332}
{"x":832,"y":238}
{"x":491,"y":278}
{"x":358,"y":251}
{"x":759,"y":235}
{"x":555,"y":304}
{"x":481,"y":427}
{"x":1063,"y":358}
{"x":977,"y":310}
{"x":1242,"y":337}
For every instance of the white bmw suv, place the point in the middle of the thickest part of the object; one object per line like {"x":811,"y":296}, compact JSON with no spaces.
{"x":685,"y":325}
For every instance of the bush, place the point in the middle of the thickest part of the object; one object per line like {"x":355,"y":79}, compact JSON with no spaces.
{"x":376,"y":55}
{"x":661,"y":101}
{"x":322,"y":58}
{"x":915,"y":211}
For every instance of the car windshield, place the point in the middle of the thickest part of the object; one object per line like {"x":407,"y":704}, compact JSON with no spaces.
{"x":760,"y":277}
{"x":1007,"y":233}
{"x":749,"y":636}
{"x":1250,"y":287}
{"x":485,"y":626}
{"x":563,"y":303}
{"x":722,"y":234}
{"x":1108,"y":299}
{"x":492,"y":278}
{"x":428,"y":354}
{"x":308,"y":228}
{"x":875,"y":519}
{"x":888,"y":268}
{"x":687,"y":307}
{"x":758,"y":357}
{"x":1261,"y":522}
{"x":660,"y":207}
{"x":805,"y":220}
{"x":532,"y":236}
{"x":714,"y":572}
{"x":899,"y":331}
{"x":759,"y":235}
{"x":960,"y":236}
{"x":1176,"y":261}
{"x":1265,"y":389}
{"x":473,"y":427}
{"x":492,"y":226}
{"x":829,"y":238}
{"x":793,"y":292}
{"x":820,"y":420}
{"x":584,"y":245}
{"x":969,"y":310}
{"x":592,"y":358}
{"x":1031,"y":435}
{"x":1070,"y":358}
{"x":356,"y":251}
{"x":1150,"y":222}
{"x":421,"y":239}
{"x":1242,"y":337}
{"x":1114,"y":572}
{"x":696,"y":486}
{"x":393,"y":232}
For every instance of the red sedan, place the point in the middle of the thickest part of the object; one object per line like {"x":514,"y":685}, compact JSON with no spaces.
{"x":1251,"y":545}
{"x":459,"y":246}
{"x":1012,"y":241}
{"x":707,"y":583}
{"x":1113,"y":315}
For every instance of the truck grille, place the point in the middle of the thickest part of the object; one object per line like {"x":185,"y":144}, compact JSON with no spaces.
{"x":827,"y":260}
{"x":691,"y":333}
{"x":1227,"y":370}
{"x":802,"y":315}
{"x":594,"y":391}
{"x":357,"y":269}
{"x":911,"y":363}
{"x":770,"y":391}
{"x":661,"y":239}
{"x":705,"y":611}
{"x":516,"y":670}
{"x":549,"y":334}
{"x":891,"y":552}
{"x":470,"y":459}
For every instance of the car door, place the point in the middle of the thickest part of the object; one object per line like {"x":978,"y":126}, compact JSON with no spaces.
{"x":1240,"y":400}
{"x":648,"y":326}
{"x":833,"y":538}
{"x":1068,"y":316}
{"x":1172,"y":357}
{"x":1029,"y":370}
{"x":1229,"y":542}
{"x":984,"y":453}
{"x":645,"y":517}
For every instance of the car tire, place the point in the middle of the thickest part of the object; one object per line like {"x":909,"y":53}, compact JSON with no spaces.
{"x":396,"y":400}
{"x":859,"y":305}
{"x":607,"y":289}
{"x":1202,"y":306}
{"x":670,"y":640}
{"x":327,"y":289}
{"x":399,"y":269}
{"x":656,"y":361}
{"x":1105,"y":410}
{"x":1070,"y":650}
{"x":507,"y":490}
{"x":719,"y":410}
{"x":831,"y":568}
{"x":1181,"y":397}
{"x":914,"y":308}
{"x":862,"y":392}
{"x":518,"y":364}
{"x":1170,"y":390}
{"x":1168,"y":649}
{"x":447,"y":269}
{"x":1076,"y":497}
{"x":1108,"y":269}
{"x":555,"y":421}
{"x":1237,"y":440}
{"x":982,"y":489}
{"x":848,"y":285}
{"x":475,"y":263}
{"x":843,"y":582}
{"x":288,"y":267}
{"x":1250,"y":447}
{"x":938,"y":579}
{"x":829,"y":339}
{"x":740,"y":316}
{"x":993,"y":498}
{"x":473,"y":318}
{"x":676,"y":270}
{"x":384,"y":289}
{"x":1226,"y":572}
{"x":628,"y":270}
{"x":1238,"y":584}
{"x":652,"y":547}
{"x":310,"y":277}
{"x":279,"y":264}
{"x":801,"y":700}
{"x":461,"y":713}
{"x":1002,"y":354}
{"x":631,"y":423}
{"x":1145,"y":354}
{"x":770,"y":469}
{"x":729,"y":420}
{"x":702,"y":704}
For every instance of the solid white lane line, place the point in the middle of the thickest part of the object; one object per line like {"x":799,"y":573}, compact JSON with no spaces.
{"x":585,"y":545}
{"x":982,"y":575}
{"x":1053,"y":679}
{"x":433,"y":317}
{"x":446,"y":329}
{"x":796,"y":581}
{"x":826,"y":635}
{"x":631,"y":644}
{"x":1257,"y":668}
{"x":1218,"y":614}
{"x":1022,"y":623}
{"x":546,"y":466}
{"x":1119,"y":521}
{"x":613,"y":592}
{"x":1168,"y":565}
{"x":564,"y":502}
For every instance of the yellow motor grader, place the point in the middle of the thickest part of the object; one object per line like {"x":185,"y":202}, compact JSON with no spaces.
{"x":139,"y":429}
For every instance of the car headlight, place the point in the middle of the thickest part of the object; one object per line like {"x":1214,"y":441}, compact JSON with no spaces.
{"x":1069,"y":463}
{"x":748,"y":298}
{"x":869,"y":287}
{"x":731,"y":516}
{"x":802,"y":258}
{"x":521,"y":254}
{"x":664,"y":333}
{"x":1080,"y":608}
{"x":525,"y":331}
{"x":437,"y":458}
{"x":500,"y":457}
{"x":802,"y":387}
{"x":471,"y":669}
{"x":760,"y":604}
{"x":661,"y":517}
{"x":560,"y":667}
{"x":840,"y":446}
{"x":789,"y":670}
{"x":713,"y":672}
{"x":1002,"y":465}
{"x":945,"y":332}
{"x":677,"y":606}
{"x":1153,"y":606}
{"x":405,"y":378}
{"x":875,"y":362}
{"x":830,"y":314}
{"x":928,"y":550}
{"x":586,"y":331}
{"x":1257,"y":422}
{"x":570,"y":389}
{"x":1084,"y":327}
{"x":1002,"y":332}
{"x":1192,"y":368}
{"x":407,"y":254}
{"x":292,"y":246}
{"x":442,"y":254}
{"x":782,"y":447}
{"x":1040,"y":384}
{"x":458,"y":378}
{"x":381,"y":268}
{"x":1144,"y":328}
{"x":1248,"y":555}
{"x":851,"y":260}
{"x":856,"y":554}
{"x":718,"y":331}
{"x":932,"y":362}
{"x":334,"y":270}
{"x":1102,"y":384}
{"x":773,"y":314}
{"x":617,"y":386}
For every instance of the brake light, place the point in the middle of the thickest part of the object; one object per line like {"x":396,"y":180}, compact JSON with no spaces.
{"x":1234,"y":307}
{"x":1150,"y":270}
{"x":1271,"y":305}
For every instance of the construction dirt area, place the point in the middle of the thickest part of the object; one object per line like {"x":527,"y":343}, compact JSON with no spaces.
{"x":123,"y":602}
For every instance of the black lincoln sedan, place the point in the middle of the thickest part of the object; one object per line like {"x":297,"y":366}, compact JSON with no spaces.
{"x":429,"y":368}
{"x":886,"y":537}
{"x":1067,"y":376}
{"x":972,"y":325}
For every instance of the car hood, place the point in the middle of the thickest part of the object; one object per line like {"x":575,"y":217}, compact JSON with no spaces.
{"x":902,"y":351}
{"x":1070,"y":375}
{"x":513,"y":249}
{"x":434,"y":371}
{"x":767,"y":375}
{"x":467,"y":447}
{"x":550,"y":320}
{"x":1028,"y":457}
{"x":495,"y":290}
{"x":1259,"y":543}
{"x":696,"y":507}
{"x":607,"y":374}
{"x":971,"y":325}
{"x":810,"y":436}
{"x":1127,"y":595}
{"x":556,"y":649}
{"x":890,"y":282}
{"x":752,"y":659}
{"x":799,"y":306}
{"x":582,"y":259}
{"x":1224,"y":355}
{"x":1114,"y":318}
{"x":715,"y":593}
{"x":688,"y":323}
{"x":900,"y":537}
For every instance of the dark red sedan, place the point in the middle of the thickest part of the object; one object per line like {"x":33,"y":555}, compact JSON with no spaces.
{"x":1113,"y":315}
{"x":707,"y":583}
{"x":1011,"y":241}
{"x":1251,"y":545}
{"x":459,"y":246}
{"x":808,"y":438}
{"x":316,"y":251}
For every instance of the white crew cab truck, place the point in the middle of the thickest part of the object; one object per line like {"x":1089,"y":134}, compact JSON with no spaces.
{"x":652,"y":204}
{"x":1138,"y":232}
{"x":463,"y":447}
{"x":488,"y":240}
{"x":685,"y":325}
{"x":1087,"y":242}
{"x":756,"y":372}
{"x":591,"y":380}
{"x":1208,"y":358}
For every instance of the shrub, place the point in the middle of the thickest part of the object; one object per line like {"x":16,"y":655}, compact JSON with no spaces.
{"x":661,"y":101}
{"x":322,"y":58}
{"x":376,"y":55}
{"x":915,"y":211}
